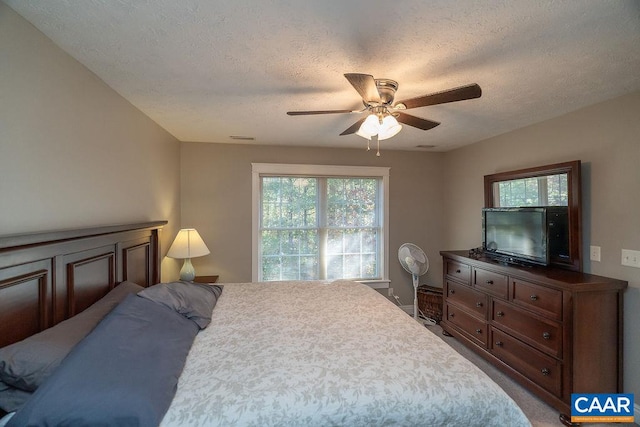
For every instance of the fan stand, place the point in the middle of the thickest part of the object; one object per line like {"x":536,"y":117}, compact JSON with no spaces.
{"x":415,"y":296}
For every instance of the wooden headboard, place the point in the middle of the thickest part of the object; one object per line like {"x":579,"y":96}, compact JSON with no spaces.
{"x":46,"y":278}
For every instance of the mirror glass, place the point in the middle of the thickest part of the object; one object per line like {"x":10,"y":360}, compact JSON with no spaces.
{"x":548,"y":190}
{"x":550,"y":185}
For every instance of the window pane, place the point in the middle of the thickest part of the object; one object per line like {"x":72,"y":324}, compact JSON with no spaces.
{"x":369,"y":241}
{"x":289,"y":202}
{"x":270,"y":243}
{"x":290,"y":268}
{"x":351,"y":202}
{"x":334,"y":267}
{"x":308,"y":268}
{"x":352,"y":253}
{"x":557,"y":190}
{"x":271,"y":268}
{"x":289,"y":254}
{"x":351,"y":239}
{"x":298,"y":242}
{"x":369,"y":265}
{"x":352,"y":264}
{"x":521,"y":192}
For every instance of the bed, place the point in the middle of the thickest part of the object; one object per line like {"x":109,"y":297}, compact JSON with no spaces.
{"x":270,"y":354}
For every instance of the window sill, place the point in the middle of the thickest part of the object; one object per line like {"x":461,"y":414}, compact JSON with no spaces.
{"x":376,"y":284}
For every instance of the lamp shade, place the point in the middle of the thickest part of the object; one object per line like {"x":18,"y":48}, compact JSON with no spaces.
{"x":188,"y":244}
{"x":364,"y":135}
{"x":369,"y":127}
{"x":389,"y":127}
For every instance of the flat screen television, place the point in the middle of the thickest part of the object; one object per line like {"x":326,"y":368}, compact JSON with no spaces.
{"x":516,"y":234}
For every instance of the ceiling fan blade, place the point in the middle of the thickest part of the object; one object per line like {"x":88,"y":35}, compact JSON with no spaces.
{"x":354,"y":127}
{"x":416,"y":122}
{"x":306,"y":113}
{"x":365,"y":84}
{"x":452,"y":95}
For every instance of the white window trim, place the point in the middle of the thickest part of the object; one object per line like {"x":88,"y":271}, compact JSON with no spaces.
{"x":258,"y":169}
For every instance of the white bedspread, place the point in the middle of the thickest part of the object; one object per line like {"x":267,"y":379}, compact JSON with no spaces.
{"x":318,"y":354}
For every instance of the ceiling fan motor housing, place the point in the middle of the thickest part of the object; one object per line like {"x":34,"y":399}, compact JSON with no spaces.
{"x":387,"y":89}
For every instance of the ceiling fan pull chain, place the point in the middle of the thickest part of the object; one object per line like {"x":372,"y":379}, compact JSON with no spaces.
{"x":378,"y":141}
{"x":368,"y":145}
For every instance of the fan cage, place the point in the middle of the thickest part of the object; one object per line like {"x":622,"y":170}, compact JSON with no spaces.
{"x":413,"y":249}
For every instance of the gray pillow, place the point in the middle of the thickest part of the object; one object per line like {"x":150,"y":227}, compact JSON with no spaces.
{"x":11,"y":398}
{"x":194,"y":301}
{"x":27,"y":363}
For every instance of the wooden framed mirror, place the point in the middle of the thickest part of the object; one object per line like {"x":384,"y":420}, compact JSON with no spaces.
{"x":551,"y":185}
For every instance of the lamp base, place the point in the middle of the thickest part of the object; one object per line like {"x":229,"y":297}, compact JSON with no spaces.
{"x":187,"y":272}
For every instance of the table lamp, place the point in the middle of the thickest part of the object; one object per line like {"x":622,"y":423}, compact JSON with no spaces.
{"x":188,"y":244}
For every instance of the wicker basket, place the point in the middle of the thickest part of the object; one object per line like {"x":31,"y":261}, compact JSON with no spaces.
{"x":430,"y":302}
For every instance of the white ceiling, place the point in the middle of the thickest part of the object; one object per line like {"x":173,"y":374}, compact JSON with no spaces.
{"x":207,"y":70}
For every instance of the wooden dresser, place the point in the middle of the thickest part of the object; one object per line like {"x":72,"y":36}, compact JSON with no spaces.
{"x":554,"y":331}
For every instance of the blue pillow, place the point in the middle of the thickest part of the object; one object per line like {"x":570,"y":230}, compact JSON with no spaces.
{"x":195,"y":301}
{"x":27,"y":363}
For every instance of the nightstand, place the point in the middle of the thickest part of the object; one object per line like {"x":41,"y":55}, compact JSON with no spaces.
{"x":205,"y":279}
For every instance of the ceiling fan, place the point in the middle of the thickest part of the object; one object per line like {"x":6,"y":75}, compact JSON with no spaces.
{"x":384,"y":115}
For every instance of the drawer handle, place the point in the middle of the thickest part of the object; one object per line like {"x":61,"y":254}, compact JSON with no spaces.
{"x":500,"y":314}
{"x":546,"y":335}
{"x":545,"y":371}
{"x":452,"y":314}
{"x":458,"y":271}
{"x":478,"y":304}
{"x":478,"y":331}
{"x":499,"y":343}
{"x":533,"y":297}
{"x":452,"y":291}
{"x":489,"y":282}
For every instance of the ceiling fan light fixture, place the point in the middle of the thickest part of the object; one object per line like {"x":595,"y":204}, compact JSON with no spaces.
{"x":389,"y":127}
{"x":364,"y":135}
{"x":369,"y":127}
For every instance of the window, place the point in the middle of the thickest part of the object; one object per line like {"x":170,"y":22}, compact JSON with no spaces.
{"x":320,"y":222}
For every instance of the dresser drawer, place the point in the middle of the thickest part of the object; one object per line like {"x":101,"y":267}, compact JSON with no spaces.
{"x":490,"y":282}
{"x":458,"y":271}
{"x":545,"y":335}
{"x":471,"y":299}
{"x":474,"y":328}
{"x":540,"y":368}
{"x":542,"y":300}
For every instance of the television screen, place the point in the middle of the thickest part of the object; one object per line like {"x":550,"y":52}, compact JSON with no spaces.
{"x":519,"y":233}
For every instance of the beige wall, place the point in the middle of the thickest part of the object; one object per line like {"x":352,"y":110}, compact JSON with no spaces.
{"x":73,"y":152}
{"x":605,"y":137}
{"x":216,"y":200}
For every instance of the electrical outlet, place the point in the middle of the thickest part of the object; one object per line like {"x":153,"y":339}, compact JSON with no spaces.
{"x":390,"y":292}
{"x":631,"y":258}
{"x":594,"y":253}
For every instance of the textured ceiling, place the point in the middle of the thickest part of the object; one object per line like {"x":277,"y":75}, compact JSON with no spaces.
{"x":206,"y":70}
